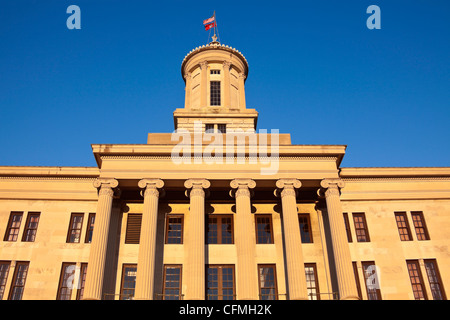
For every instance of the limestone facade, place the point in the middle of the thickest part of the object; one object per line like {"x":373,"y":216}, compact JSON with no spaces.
{"x":143,"y":226}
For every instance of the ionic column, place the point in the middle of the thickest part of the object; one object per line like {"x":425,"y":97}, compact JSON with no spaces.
{"x":194,"y":243}
{"x":242,"y":90}
{"x":292,"y":239}
{"x":343,"y":262}
{"x":247,"y":273}
{"x":147,"y":242}
{"x":203,"y":83}
{"x":187,"y":99}
{"x":226,"y":84}
{"x":97,"y":256}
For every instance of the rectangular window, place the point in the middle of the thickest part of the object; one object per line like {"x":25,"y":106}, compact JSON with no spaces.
{"x":174,"y":229}
{"x":66,"y":281}
{"x":215,"y":71}
{"x":12,"y":230}
{"x":18,"y":282}
{"x":420,"y":226}
{"x":215,"y":93}
{"x":81,"y":281}
{"x":209,"y":128}
{"x":4,"y":271}
{"x":172,"y":282}
{"x":358,"y":284}
{"x":264,"y":232}
{"x":305,"y":227}
{"x":347,"y":227}
{"x":133,"y":228}
{"x":220,"y":282}
{"x":416,"y":280}
{"x":76,"y":223}
{"x":219,"y":229}
{"x":221,"y":128}
{"x":434,"y":278}
{"x":128,"y":281}
{"x":90,"y":228}
{"x":362,"y":233}
{"x":403,"y":226}
{"x":267,"y":282}
{"x":371,"y":279}
{"x":31,"y":226}
{"x":312,"y":284}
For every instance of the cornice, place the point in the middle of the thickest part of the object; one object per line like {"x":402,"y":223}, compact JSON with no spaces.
{"x":213,"y":46}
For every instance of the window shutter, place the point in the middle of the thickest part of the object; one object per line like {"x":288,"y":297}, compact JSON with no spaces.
{"x":133,"y":228}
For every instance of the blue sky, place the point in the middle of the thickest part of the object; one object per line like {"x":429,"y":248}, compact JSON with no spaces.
{"x":316,"y":71}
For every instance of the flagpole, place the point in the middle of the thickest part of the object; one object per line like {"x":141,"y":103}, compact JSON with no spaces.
{"x":215,"y":23}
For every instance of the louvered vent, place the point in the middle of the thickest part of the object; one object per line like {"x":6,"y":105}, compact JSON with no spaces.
{"x":133,"y":228}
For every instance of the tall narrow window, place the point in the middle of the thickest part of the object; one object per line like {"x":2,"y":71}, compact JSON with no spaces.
{"x":371,"y":279}
{"x":174,"y":229}
{"x":267,"y":282}
{"x":215,"y":93}
{"x":434,"y":278}
{"x":220,"y":282}
{"x":12,"y":230}
{"x":403,"y":226}
{"x":420,"y":226}
{"x":66,"y":281}
{"x":133,"y":228}
{"x":31,"y":226}
{"x":347,"y":227}
{"x":18,"y":282}
{"x":128,"y":281}
{"x":305,"y":227}
{"x":90,"y":228}
{"x":312,"y":284}
{"x":4,"y":271}
{"x":81,"y":281}
{"x":264,"y":232}
{"x":172,"y":282}
{"x":358,"y":284}
{"x":362,"y":233}
{"x":416,"y":280}
{"x":76,"y":222}
{"x":219,"y":229}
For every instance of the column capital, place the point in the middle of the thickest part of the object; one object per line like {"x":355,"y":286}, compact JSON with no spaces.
{"x":332,"y":183}
{"x":203,"y":64}
{"x":242,"y":187}
{"x":288,"y":183}
{"x":197,"y":183}
{"x":243,"y":183}
{"x":151,"y":187}
{"x":106,"y":182}
{"x":107,"y":186}
{"x":197,"y":187}
{"x":286,"y":187}
{"x":227,"y":64}
{"x":330,"y":186}
{"x":151,"y":182}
